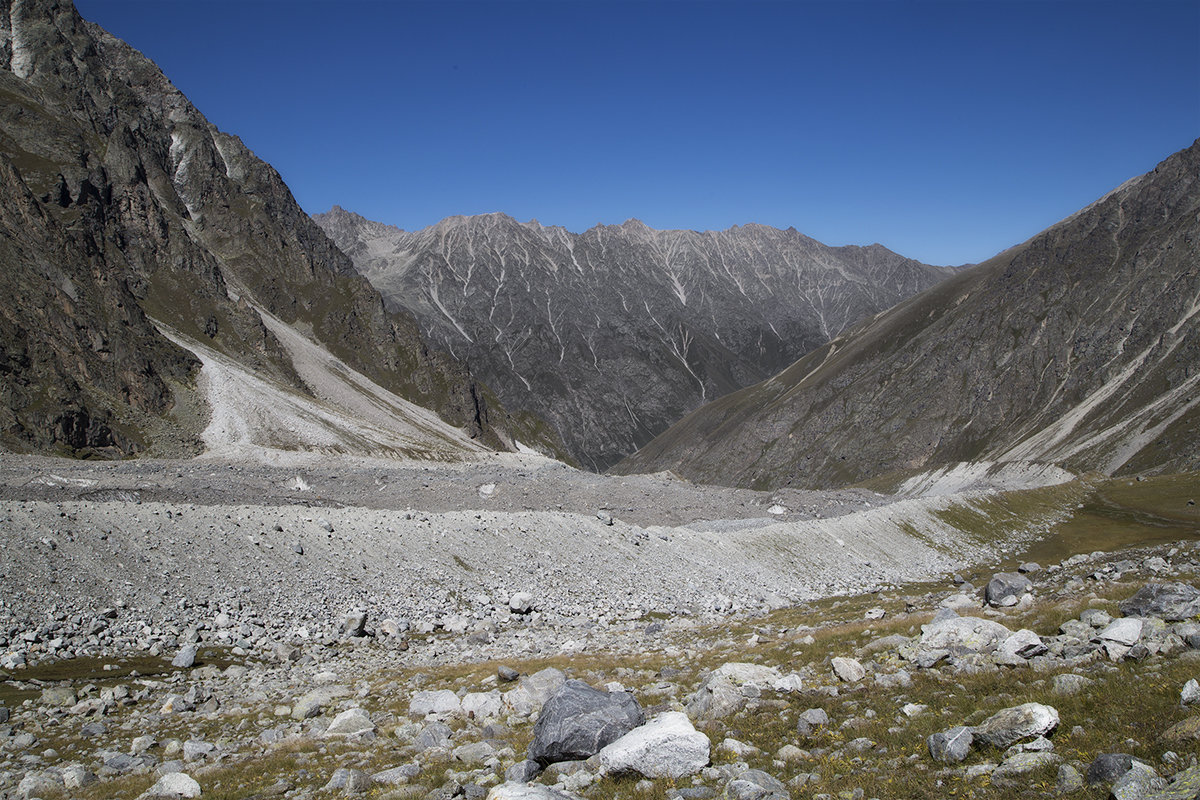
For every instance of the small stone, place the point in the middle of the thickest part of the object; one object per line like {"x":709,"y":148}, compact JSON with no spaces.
{"x":350,"y":781}
{"x":1068,"y":683}
{"x":1190,"y":692}
{"x":1069,"y":779}
{"x":175,"y":784}
{"x":355,"y":623}
{"x":1107,"y":767}
{"x":849,"y":670}
{"x":521,"y":603}
{"x":950,"y":746}
{"x":185,"y":658}
{"x":1006,"y":588}
{"x":507,"y":674}
{"x":354,"y":722}
{"x":1013,"y":724}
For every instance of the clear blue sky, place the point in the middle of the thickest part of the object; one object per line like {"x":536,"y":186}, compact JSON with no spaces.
{"x":947,"y":131}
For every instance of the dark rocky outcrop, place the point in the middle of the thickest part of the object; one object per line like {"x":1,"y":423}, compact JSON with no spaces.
{"x":578,"y":721}
{"x":1080,"y":347}
{"x":613,"y":334}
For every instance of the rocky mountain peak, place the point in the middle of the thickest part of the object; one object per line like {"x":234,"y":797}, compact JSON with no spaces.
{"x":613,"y":333}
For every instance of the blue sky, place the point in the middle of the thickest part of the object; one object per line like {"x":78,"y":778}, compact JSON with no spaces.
{"x":947,"y":131}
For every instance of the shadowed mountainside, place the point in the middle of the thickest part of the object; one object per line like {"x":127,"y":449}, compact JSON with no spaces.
{"x":1080,"y":347}
{"x":121,"y":205}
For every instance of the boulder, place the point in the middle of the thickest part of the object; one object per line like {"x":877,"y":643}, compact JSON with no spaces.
{"x":1014,"y":724}
{"x":1173,"y":602}
{"x":1023,"y":763}
{"x":849,"y":670}
{"x":961,"y":636}
{"x":39,"y":784}
{"x":350,"y":781}
{"x":175,"y":784}
{"x":1126,"y":631}
{"x":726,"y":689}
{"x":355,"y":623}
{"x":1107,"y":767}
{"x":527,"y":791}
{"x":355,"y":722}
{"x":310,"y":704}
{"x":1006,"y":588}
{"x":810,"y":720}
{"x":950,"y":746}
{"x":521,"y":603}
{"x":185,"y":658}
{"x":442,"y":701}
{"x":578,"y":721}
{"x":481,"y":705}
{"x":1020,"y":647}
{"x":1139,"y":783}
{"x":754,"y":784}
{"x":1068,"y":683}
{"x":666,"y":747}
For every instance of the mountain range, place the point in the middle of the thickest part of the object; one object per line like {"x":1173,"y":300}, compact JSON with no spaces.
{"x":164,"y":294}
{"x":613,"y":334}
{"x":1079,"y":347}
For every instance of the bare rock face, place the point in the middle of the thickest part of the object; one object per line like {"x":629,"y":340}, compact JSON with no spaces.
{"x":1011,"y":360}
{"x":121,"y":206}
{"x":613,"y":334}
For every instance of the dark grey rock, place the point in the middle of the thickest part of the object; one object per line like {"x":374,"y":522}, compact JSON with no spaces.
{"x":577,"y":721}
{"x":1006,"y":588}
{"x":1172,"y":602}
{"x":754,"y":784}
{"x":507,"y":674}
{"x":523,"y":771}
{"x":950,"y":746}
{"x":810,"y":720}
{"x":1107,"y":767}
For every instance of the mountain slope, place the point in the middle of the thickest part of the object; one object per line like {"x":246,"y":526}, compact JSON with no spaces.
{"x":120,"y":205}
{"x":1079,"y":347}
{"x":613,"y":334}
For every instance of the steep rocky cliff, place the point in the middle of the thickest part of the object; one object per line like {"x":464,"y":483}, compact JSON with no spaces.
{"x":120,"y":204}
{"x":615,"y":333}
{"x":1080,"y":347}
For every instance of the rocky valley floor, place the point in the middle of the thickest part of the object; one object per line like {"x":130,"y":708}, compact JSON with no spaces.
{"x":391,"y":630}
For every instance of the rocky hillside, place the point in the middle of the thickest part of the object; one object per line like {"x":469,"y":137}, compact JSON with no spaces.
{"x":189,"y":629}
{"x":122,"y":207}
{"x":613,"y":334}
{"x":1080,"y":347}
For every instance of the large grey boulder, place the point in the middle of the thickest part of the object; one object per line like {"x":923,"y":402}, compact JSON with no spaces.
{"x":666,"y":747}
{"x":440,"y":701}
{"x":950,"y":746}
{"x":527,"y":791}
{"x":578,"y":721}
{"x":1006,"y":588}
{"x":175,"y":784}
{"x":959,"y":636}
{"x":1173,"y":602}
{"x":1020,"y":647}
{"x":1014,"y":724}
{"x":354,"y":722}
